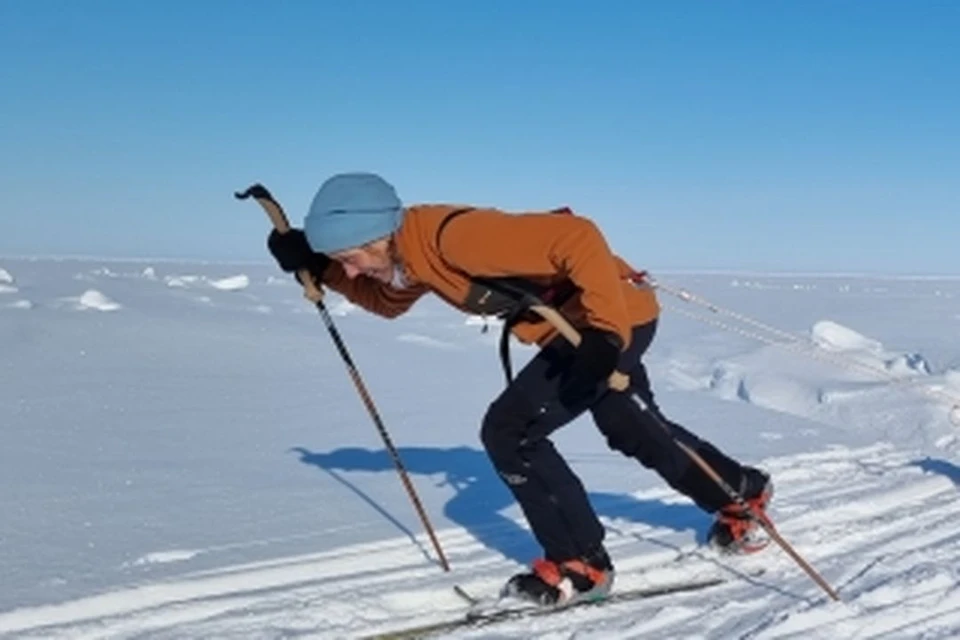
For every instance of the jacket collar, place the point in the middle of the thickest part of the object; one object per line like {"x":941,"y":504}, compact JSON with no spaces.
{"x":400,"y":251}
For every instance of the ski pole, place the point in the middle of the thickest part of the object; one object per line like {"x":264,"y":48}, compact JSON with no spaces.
{"x":314,"y":294}
{"x":620,"y":382}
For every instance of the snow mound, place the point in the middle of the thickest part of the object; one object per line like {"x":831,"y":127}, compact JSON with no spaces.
{"x":233,"y":283}
{"x":839,"y":339}
{"x":20,"y":304}
{"x":181,"y":281}
{"x":835,"y":337}
{"x":6,"y":288}
{"x":149,"y":273}
{"x":839,"y":371}
{"x":93,"y":299}
{"x":5,"y":276}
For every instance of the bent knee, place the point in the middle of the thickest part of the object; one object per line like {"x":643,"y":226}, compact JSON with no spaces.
{"x":501,"y":433}
{"x":496,"y":428}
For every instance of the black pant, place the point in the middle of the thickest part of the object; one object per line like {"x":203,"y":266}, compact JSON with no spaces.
{"x":515,"y":434}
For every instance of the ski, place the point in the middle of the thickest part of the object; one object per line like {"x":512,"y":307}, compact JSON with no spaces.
{"x":480,"y":617}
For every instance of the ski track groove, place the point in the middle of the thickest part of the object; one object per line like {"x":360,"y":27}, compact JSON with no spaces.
{"x":848,"y":512}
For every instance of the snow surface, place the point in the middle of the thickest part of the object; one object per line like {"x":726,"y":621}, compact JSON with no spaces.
{"x":185,"y":456}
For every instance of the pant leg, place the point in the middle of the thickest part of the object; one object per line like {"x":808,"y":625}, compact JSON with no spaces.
{"x":515,"y":434}
{"x":640,"y":430}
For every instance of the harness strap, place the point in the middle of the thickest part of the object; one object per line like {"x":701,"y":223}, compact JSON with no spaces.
{"x":555,"y":295}
{"x":523,"y":299}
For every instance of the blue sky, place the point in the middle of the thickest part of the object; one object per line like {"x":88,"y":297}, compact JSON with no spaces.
{"x":784,"y":136}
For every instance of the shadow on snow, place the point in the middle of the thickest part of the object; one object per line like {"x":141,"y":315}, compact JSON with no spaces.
{"x":480,"y":495}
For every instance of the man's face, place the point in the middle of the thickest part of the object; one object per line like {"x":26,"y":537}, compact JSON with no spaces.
{"x":372,"y":260}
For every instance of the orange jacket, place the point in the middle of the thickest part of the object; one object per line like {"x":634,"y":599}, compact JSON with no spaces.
{"x":543,"y":247}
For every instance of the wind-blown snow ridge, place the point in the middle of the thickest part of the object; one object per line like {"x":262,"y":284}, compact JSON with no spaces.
{"x":159,"y":557}
{"x":859,"y":374}
{"x":233,"y":283}
{"x":182,"y":281}
{"x":426,"y":341}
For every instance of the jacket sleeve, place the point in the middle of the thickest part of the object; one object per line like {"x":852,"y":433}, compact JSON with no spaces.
{"x":488,"y":242}
{"x":371,"y":294}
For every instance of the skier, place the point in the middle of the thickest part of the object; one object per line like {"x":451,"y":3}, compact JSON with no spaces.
{"x":361,"y":241}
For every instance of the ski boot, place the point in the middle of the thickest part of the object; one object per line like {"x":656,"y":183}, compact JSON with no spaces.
{"x":735,"y":530}
{"x":556,"y":584}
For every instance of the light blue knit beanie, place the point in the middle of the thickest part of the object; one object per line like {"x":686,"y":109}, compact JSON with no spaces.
{"x":351,"y":209}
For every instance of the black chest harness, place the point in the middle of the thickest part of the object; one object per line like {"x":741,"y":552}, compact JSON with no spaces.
{"x":508,"y":298}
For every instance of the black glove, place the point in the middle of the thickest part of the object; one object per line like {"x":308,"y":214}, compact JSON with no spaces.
{"x":593,"y":362}
{"x":292,"y":253}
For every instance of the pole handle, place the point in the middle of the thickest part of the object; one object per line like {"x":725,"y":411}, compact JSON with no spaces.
{"x":280,"y":222}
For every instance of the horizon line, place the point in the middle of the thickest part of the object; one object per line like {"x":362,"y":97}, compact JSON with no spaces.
{"x":719,"y":271}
